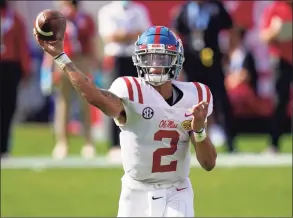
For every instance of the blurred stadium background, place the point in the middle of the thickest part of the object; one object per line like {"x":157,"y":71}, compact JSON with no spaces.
{"x":246,"y":184}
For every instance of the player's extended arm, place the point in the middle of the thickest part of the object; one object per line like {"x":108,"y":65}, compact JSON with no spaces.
{"x":105,"y":100}
{"x":206,"y":153}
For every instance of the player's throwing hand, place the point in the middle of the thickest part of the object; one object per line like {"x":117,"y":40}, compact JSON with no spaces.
{"x":50,"y":26}
{"x":199,"y":112}
{"x":54,"y":48}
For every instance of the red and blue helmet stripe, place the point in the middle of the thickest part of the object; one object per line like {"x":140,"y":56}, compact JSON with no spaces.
{"x":158,"y":35}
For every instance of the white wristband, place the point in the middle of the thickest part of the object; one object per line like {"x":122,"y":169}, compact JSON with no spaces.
{"x":199,"y":137}
{"x":61,"y":60}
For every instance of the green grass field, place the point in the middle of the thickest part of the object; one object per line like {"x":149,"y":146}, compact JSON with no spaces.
{"x":233,"y":192}
{"x":36,"y":140}
{"x":95,"y":192}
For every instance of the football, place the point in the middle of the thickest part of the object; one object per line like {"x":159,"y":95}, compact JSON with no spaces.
{"x":50,"y":25}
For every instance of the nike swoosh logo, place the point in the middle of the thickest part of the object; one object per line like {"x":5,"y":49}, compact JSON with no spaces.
{"x":187,"y":115}
{"x":156,"y":198}
{"x":180,"y":189}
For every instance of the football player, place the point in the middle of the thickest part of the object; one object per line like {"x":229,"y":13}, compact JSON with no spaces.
{"x":158,"y":116}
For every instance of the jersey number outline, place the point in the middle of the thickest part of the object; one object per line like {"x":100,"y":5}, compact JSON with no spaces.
{"x":160,"y":152}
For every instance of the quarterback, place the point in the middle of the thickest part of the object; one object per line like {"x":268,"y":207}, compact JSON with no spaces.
{"x":158,"y":116}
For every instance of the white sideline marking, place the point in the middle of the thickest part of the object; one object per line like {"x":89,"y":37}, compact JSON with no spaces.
{"x":223,"y":160}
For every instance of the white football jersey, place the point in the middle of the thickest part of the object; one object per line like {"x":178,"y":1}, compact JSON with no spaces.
{"x":155,"y":138}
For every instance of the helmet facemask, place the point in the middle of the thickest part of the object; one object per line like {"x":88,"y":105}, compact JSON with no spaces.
{"x":157,"y":65}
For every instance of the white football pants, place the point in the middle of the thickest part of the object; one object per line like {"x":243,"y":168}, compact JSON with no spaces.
{"x":144,"y":200}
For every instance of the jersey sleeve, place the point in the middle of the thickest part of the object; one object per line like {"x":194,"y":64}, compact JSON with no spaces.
{"x":204,"y":94}
{"x":119,"y":88}
{"x":122,"y":88}
{"x":211,"y":104}
{"x":208,"y":97}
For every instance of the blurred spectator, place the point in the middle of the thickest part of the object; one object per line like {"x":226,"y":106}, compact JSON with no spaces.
{"x":79,"y":45}
{"x":15,"y":65}
{"x":277,"y":32}
{"x":199,"y":23}
{"x":120,"y":24}
{"x":240,"y":65}
{"x":241,"y":76}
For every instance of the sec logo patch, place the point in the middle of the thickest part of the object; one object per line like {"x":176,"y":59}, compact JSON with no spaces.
{"x":186,"y":125}
{"x":147,"y":113}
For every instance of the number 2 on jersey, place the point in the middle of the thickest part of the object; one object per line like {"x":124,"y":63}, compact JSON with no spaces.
{"x":159,"y":153}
